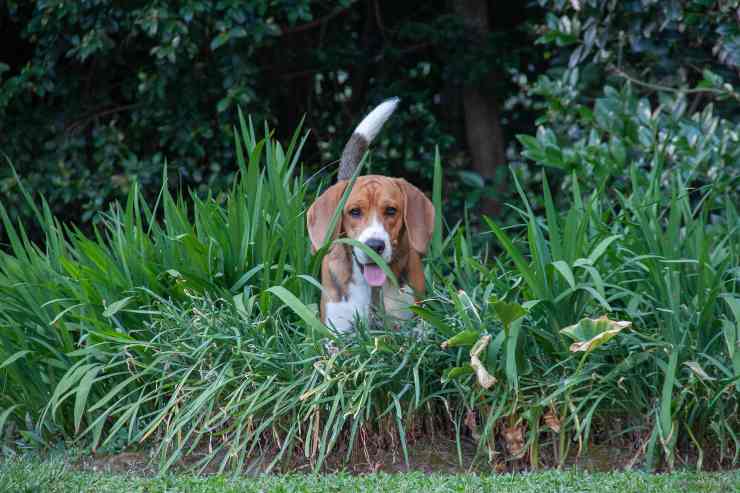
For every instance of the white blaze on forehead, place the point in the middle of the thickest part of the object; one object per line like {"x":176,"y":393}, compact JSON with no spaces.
{"x":372,"y":123}
{"x":374,"y":231}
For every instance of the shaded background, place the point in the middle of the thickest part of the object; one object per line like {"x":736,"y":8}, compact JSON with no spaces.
{"x":98,"y":94}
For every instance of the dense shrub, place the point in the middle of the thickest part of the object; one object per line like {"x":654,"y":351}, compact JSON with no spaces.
{"x":98,"y":95}
{"x":660,"y":46}
{"x":201,"y":331}
{"x":628,"y":79}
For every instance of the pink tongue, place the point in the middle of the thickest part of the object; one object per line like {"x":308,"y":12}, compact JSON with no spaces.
{"x":374,"y":275}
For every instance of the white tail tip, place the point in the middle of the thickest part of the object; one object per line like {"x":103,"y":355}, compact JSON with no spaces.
{"x":373,"y":122}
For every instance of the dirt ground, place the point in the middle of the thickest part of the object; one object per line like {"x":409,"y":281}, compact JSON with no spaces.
{"x":425,"y":455}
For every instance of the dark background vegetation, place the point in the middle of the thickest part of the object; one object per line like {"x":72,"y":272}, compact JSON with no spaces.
{"x":98,"y":94}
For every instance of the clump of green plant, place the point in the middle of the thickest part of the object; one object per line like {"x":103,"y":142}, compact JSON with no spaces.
{"x":654,"y":242}
{"x":190,"y":326}
{"x":75,"y":291}
{"x":649,"y":259}
{"x":217,"y":384}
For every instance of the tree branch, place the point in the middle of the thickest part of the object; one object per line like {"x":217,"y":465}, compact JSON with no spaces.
{"x":314,"y":23}
{"x":84,"y":120}
{"x":658,"y":87}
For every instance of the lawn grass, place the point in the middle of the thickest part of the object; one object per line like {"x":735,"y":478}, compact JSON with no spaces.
{"x":21,"y":475}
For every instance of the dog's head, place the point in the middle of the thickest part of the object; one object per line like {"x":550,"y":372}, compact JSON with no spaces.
{"x":380,"y":212}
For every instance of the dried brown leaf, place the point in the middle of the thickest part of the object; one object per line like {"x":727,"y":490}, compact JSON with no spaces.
{"x":514,"y":438}
{"x":485,"y":379}
{"x":552,"y":421}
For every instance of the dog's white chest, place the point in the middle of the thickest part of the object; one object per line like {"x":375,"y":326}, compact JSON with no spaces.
{"x":341,"y":314}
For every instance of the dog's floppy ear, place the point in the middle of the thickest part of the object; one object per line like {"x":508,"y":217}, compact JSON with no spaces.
{"x":418,"y":216}
{"x":320,"y":213}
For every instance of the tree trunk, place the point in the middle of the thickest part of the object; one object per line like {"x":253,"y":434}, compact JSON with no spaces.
{"x":482,"y":125}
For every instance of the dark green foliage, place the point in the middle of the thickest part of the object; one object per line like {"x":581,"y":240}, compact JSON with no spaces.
{"x":636,"y":82}
{"x":604,"y":140}
{"x":113,"y":90}
{"x":674,"y":44}
{"x":97,"y":95}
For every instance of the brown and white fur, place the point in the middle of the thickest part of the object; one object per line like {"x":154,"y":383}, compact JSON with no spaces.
{"x":390,"y":216}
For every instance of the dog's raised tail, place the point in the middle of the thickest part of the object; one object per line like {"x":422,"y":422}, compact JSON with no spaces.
{"x":363,"y":136}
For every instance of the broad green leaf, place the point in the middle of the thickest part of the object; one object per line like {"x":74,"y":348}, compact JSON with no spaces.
{"x":4,"y":417}
{"x":14,"y":357}
{"x":532,"y":148}
{"x":565,"y":271}
{"x":508,"y":312}
{"x":457,"y":372}
{"x":437,"y":202}
{"x":431,"y":318}
{"x":665,"y":421}
{"x":70,"y":378}
{"x":464,"y":338}
{"x":524,"y":269}
{"x":246,"y":277}
{"x":512,"y":370}
{"x":83,"y":390}
{"x":590,"y":333}
{"x":553,"y":223}
{"x":601,"y":248}
{"x":731,"y":332}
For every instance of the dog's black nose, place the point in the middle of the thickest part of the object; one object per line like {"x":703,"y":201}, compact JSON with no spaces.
{"x":377,"y":245}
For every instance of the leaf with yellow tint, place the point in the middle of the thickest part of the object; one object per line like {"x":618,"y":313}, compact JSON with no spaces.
{"x":590,"y":333}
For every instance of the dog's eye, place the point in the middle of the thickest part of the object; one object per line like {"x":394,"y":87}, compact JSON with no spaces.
{"x":355,"y":212}
{"x":390,"y":211}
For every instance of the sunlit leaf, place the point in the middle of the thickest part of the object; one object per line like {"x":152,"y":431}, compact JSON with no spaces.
{"x":117,"y":306}
{"x":590,"y":333}
{"x":457,"y":372}
{"x":464,"y":338}
{"x":698,"y":370}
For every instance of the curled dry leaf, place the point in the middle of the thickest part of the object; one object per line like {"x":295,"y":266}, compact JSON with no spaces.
{"x":485,"y":379}
{"x":552,"y":421}
{"x":472,"y":424}
{"x":514,"y":438}
{"x":699,"y":371}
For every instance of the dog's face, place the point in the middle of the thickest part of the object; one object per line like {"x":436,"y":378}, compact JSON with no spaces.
{"x":378,"y":212}
{"x":373,"y":215}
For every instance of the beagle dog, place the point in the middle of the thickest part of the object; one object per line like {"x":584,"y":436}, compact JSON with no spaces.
{"x":390,"y":216}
